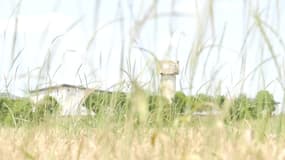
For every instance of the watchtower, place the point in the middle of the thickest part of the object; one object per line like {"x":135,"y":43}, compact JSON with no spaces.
{"x":168,"y":70}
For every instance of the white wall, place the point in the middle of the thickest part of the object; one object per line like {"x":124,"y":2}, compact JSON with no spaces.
{"x":168,"y":86}
{"x":69,"y":98}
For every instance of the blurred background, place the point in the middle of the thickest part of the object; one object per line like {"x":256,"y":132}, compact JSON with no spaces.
{"x":224,"y":47}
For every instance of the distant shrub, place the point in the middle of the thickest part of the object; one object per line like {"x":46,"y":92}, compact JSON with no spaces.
{"x":97,"y":100}
{"x":265,"y":104}
{"x":120,"y":105}
{"x":245,"y":108}
{"x":15,"y":112}
{"x":191,"y":102}
{"x":102,"y":103}
{"x":160,"y":109}
{"x":46,"y":107}
{"x":201,"y":102}
{"x":5,"y":105}
{"x":220,"y":100}
{"x":179,"y":102}
{"x":156,"y":101}
{"x":242,"y":108}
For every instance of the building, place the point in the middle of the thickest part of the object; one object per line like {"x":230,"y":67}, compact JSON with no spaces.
{"x":70,"y":97}
{"x":8,"y":95}
{"x":168,"y":71}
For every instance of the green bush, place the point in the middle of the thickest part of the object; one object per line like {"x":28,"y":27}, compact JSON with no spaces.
{"x":242,"y":108}
{"x":161,"y":110}
{"x":220,"y":100}
{"x":179,"y":102}
{"x":201,"y":102}
{"x":5,"y":105}
{"x":191,"y":102}
{"x":102,"y":102}
{"x":45,"y":108}
{"x":120,"y":103}
{"x":156,"y":101}
{"x":15,"y":112}
{"x":97,"y":100}
{"x":265,"y":104}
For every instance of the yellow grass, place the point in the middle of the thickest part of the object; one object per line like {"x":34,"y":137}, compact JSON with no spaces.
{"x":215,"y":141}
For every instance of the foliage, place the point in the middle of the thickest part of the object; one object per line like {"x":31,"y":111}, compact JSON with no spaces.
{"x":261,"y":107}
{"x":4,"y":108}
{"x":179,"y":102}
{"x":265,"y":103}
{"x":220,"y":100}
{"x":155,"y":101}
{"x":191,"y":102}
{"x":15,"y":111}
{"x":97,"y":100}
{"x":46,"y":107}
{"x":160,"y":109}
{"x":204,"y":98}
{"x":202,"y":102}
{"x":242,"y":108}
{"x":120,"y":103}
{"x":102,"y":102}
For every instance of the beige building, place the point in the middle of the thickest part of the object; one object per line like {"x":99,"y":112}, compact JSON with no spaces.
{"x":168,"y":71}
{"x":70,"y":97}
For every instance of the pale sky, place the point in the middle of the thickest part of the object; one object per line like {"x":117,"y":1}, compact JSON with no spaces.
{"x":59,"y":32}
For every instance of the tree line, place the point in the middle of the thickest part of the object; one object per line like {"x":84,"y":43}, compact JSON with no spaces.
{"x":18,"y":111}
{"x":241,"y":107}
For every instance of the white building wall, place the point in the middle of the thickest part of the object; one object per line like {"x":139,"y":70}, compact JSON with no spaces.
{"x":69,"y":98}
{"x":168,"y":86}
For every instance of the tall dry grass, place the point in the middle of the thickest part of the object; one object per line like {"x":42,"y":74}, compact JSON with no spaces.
{"x":188,"y":139}
{"x":215,"y":141}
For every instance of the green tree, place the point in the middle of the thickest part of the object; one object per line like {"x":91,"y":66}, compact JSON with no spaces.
{"x":114,"y":104}
{"x":45,"y":108}
{"x":201,"y":102}
{"x":265,"y":103}
{"x":5,"y":104}
{"x":160,"y":109}
{"x":120,"y":104}
{"x":97,"y":100}
{"x":220,"y":100}
{"x":191,"y":103}
{"x":22,"y":109}
{"x":242,"y":108}
{"x":155,"y":102}
{"x":179,"y":102}
{"x":15,"y":111}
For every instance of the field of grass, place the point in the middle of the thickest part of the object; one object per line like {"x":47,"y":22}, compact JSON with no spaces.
{"x":200,"y":138}
{"x":218,"y":57}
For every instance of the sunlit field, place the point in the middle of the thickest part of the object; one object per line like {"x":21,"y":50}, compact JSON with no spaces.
{"x":202,"y":140}
{"x":86,"y":80}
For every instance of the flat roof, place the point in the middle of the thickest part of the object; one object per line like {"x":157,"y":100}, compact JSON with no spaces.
{"x":57,"y":87}
{"x":168,"y":67}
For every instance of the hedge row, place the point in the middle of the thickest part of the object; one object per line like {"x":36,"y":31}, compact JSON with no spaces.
{"x":16,"y":112}
{"x":19,"y":111}
{"x":240,"y":108}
